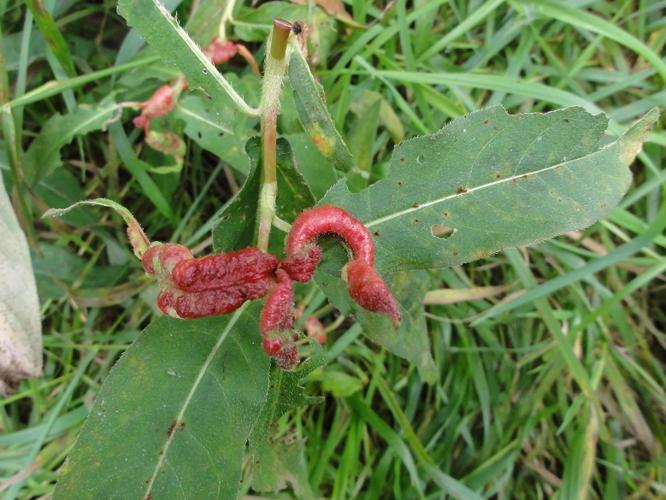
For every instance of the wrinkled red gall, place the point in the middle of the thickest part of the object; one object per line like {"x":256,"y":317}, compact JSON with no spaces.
{"x":366,"y":287}
{"x":159,"y":104}
{"x":220,"y":283}
{"x":219,"y":52}
{"x":277,"y":320}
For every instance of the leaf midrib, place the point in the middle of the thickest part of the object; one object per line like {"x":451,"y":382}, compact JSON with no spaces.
{"x":190,"y":395}
{"x":488,"y":185}
{"x":81,"y":126}
{"x":201,"y":58}
{"x":202,"y":119}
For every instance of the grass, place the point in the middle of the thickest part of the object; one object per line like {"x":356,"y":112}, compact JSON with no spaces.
{"x":552,"y":387}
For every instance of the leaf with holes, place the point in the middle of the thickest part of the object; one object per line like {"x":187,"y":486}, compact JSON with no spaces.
{"x":490,"y":181}
{"x":174,"y":414}
{"x":278,"y":461}
{"x":218,"y":129}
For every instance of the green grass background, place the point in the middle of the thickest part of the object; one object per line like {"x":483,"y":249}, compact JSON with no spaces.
{"x":507,"y":419}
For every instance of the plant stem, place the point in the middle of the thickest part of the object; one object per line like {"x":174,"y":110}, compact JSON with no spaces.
{"x":274,"y":70}
{"x":226,"y":17}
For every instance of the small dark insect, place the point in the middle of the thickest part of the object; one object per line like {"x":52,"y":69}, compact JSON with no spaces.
{"x":297,"y":28}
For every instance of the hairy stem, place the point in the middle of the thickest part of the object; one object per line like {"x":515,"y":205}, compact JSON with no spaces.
{"x":226,"y":17}
{"x":274,"y":70}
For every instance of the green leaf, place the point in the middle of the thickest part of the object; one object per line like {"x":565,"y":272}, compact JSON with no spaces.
{"x":275,"y":462}
{"x":52,"y":35}
{"x":204,"y":23}
{"x":43,"y":155}
{"x":340,"y":384}
{"x":254,"y":24}
{"x":221,"y":131}
{"x":174,"y":45}
{"x":366,"y":99}
{"x":282,"y":462}
{"x":173,"y":416}
{"x":232,"y":230}
{"x":580,"y":458}
{"x":57,"y":270}
{"x":313,"y":112}
{"x":139,"y":169}
{"x":133,"y":43}
{"x":410,"y":340}
{"x":363,"y":135}
{"x":490,"y":181}
{"x":317,"y":170}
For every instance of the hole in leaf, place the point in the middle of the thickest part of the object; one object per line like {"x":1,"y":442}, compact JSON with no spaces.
{"x":441,"y":231}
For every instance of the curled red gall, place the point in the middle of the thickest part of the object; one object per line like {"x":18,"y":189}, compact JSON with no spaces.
{"x":327,"y":219}
{"x":219,"y":52}
{"x":159,"y":104}
{"x":366,"y":287}
{"x":220,"y":283}
{"x":302,"y":264}
{"x":161,"y":258}
{"x":315,"y":330}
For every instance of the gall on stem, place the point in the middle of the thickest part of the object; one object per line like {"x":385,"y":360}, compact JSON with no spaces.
{"x":365,"y":285}
{"x":277,"y":320}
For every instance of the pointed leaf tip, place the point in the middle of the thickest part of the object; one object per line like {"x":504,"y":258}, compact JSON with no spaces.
{"x":633,"y":139}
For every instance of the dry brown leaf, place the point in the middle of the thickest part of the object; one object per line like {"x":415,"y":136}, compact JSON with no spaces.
{"x":20,"y":324}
